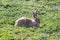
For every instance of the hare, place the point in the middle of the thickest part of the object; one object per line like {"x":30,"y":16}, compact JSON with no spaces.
{"x":28,"y":22}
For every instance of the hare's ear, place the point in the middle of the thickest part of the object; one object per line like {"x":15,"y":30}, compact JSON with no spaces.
{"x":34,"y":13}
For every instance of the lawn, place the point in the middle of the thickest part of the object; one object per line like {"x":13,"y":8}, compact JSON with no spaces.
{"x":48,"y":13}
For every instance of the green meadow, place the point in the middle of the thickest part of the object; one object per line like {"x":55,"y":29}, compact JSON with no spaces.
{"x":48,"y":13}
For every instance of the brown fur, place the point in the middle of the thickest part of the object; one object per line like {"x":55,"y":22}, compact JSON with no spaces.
{"x":28,"y":22}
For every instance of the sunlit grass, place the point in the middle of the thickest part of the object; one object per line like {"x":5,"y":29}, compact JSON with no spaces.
{"x":48,"y":13}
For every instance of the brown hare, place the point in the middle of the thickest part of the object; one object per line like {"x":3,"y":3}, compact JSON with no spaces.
{"x":28,"y":22}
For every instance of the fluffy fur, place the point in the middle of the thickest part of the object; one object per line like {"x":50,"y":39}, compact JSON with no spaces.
{"x":28,"y":22}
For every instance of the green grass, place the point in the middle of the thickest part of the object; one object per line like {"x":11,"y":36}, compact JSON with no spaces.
{"x":48,"y":13}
